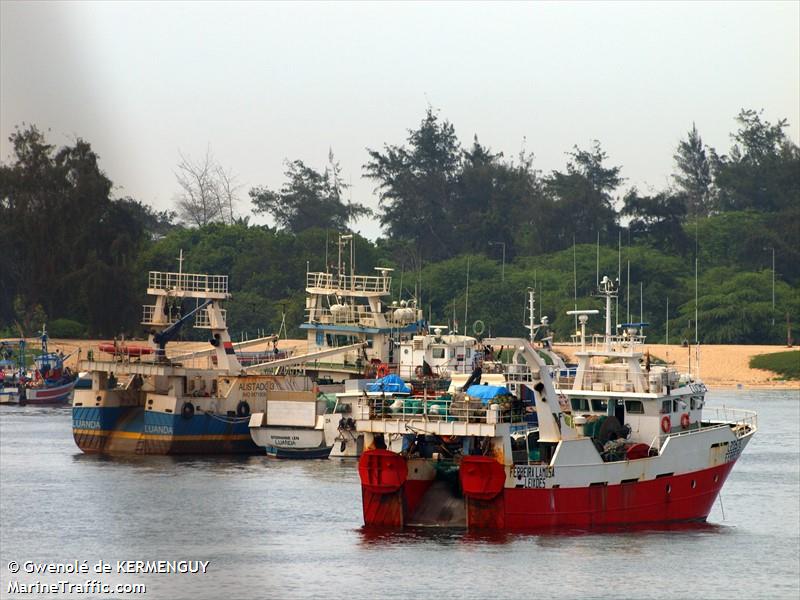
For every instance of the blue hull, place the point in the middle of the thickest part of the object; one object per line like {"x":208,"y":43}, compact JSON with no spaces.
{"x":132,"y":430}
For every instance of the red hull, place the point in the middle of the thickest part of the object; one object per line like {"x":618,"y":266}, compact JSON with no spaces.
{"x":674,"y":499}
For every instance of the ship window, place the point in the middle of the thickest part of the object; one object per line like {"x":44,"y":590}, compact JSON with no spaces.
{"x":437,"y":352}
{"x":579,"y":404}
{"x":666,"y":407}
{"x":697,"y":402}
{"x":469,"y":351}
{"x":634,"y":407}
{"x":599,"y":406}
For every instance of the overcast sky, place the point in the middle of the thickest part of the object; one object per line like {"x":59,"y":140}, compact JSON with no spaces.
{"x":262,"y":83}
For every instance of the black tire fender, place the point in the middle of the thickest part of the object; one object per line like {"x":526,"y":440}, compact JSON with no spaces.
{"x":243,"y":409}
{"x":187,"y":410}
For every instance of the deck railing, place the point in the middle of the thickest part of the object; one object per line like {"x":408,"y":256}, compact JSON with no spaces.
{"x":202,"y":319}
{"x":149,"y":314}
{"x":731,"y":416}
{"x":354,"y":283}
{"x":188,"y":282}
{"x":419,"y":408}
{"x":345,"y":314}
{"x":618,"y":378}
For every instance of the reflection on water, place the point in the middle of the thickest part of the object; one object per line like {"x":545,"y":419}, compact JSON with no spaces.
{"x":294,"y":529}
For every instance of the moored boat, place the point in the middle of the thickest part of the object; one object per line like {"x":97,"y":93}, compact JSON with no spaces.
{"x":52,"y":382}
{"x":151,"y":401}
{"x":641,"y":449}
{"x":12,"y":371}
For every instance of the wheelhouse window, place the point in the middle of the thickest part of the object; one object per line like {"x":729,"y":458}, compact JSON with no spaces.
{"x":599,"y":406}
{"x":666,"y":407}
{"x":438,"y":352}
{"x":696,"y":402}
{"x":634,"y":407}
{"x":579,"y":404}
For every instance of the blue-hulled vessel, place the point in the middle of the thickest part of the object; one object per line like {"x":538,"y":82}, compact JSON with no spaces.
{"x":160,"y":402}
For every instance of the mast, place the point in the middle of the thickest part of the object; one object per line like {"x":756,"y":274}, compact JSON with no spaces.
{"x":575,"y":282}
{"x":531,"y":311}
{"x":597,"y":262}
{"x":696,"y":324}
{"x":466,"y":299}
{"x":628,"y":293}
{"x":619,"y":269}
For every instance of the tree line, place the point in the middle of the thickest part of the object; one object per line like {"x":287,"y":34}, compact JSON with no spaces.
{"x":77,"y":256}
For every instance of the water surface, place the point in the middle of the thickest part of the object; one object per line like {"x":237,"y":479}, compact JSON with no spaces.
{"x":293,"y":529}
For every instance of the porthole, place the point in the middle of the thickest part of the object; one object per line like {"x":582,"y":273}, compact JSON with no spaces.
{"x":669,"y":488}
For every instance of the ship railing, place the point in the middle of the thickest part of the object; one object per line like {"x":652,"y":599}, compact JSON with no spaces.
{"x":202,"y":318}
{"x":149,"y":316}
{"x":604,"y":379}
{"x":726,"y":416}
{"x":741,"y":421}
{"x":187,"y":282}
{"x":407,"y":372}
{"x":618,"y":378}
{"x":121,"y":358}
{"x":598,"y":342}
{"x":349,"y":283}
{"x":346,"y":315}
{"x":377,"y":407}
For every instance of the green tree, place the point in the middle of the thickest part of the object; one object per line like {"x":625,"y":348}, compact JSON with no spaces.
{"x":417,"y":186}
{"x":694,"y":173}
{"x":658,"y":219}
{"x":762,"y":171}
{"x":61,"y":233}
{"x":309,"y":199}
{"x":582,"y":196}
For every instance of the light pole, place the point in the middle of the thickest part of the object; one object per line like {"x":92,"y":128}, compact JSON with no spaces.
{"x":503,"y":270}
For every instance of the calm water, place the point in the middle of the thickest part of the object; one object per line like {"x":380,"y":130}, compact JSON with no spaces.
{"x":293,"y":529}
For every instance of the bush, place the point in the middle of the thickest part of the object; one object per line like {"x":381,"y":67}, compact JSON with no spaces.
{"x":786,"y":364}
{"x":66,"y":328}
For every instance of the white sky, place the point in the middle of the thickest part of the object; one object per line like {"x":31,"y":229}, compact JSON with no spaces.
{"x":261,"y":83}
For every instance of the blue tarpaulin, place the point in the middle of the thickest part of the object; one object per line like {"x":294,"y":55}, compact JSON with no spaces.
{"x":487,"y":392}
{"x":391,"y":383}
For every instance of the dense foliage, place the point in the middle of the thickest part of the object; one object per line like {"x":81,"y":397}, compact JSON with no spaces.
{"x":785,"y":364}
{"x":76,"y":256}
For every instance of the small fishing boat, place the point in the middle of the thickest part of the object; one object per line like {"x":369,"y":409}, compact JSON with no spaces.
{"x":52,"y":382}
{"x":620,"y":442}
{"x":12,"y":371}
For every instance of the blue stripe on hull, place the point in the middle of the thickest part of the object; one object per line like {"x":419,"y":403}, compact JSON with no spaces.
{"x":132,"y":430}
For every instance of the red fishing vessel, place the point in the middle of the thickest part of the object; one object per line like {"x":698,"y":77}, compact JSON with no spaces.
{"x":619,"y":442}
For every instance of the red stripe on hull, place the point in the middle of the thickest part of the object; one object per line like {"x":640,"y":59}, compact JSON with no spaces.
{"x":53,"y":395}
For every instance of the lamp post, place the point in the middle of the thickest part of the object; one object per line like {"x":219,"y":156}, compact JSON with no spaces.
{"x":503,"y":270}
